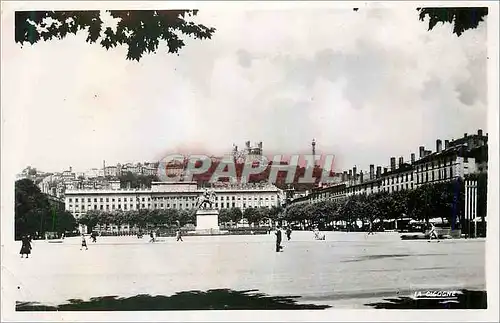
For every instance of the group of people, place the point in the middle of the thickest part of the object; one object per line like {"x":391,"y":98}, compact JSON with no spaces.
{"x":152,"y":236}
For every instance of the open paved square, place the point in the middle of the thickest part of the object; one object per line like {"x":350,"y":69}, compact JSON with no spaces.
{"x":346,"y":270}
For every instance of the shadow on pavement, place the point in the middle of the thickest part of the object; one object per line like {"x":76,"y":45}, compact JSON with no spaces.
{"x":466,"y":300}
{"x":214,"y":299}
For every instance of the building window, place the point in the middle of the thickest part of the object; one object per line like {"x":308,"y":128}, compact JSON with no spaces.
{"x":406,"y":185}
{"x":83,"y":207}
{"x":433,"y":175}
{"x":143,"y":206}
{"x":88,"y":200}
{"x":120,"y":206}
{"x":101,"y":199}
{"x":107,"y":207}
{"x":451,"y":172}
{"x":161,"y":205}
{"x":107,"y":199}
{"x":168,"y":205}
{"x":216,"y":204}
{"x":426,"y":177}
{"x":119,"y":199}
{"x":143,"y":199}
{"x":95,"y":207}
{"x":125,"y":206}
{"x":112,"y":200}
{"x":407,"y":177}
{"x":445,"y":173}
{"x":70,"y":201}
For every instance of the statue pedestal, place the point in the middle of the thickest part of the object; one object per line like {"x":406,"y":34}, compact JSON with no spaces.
{"x":207,"y":221}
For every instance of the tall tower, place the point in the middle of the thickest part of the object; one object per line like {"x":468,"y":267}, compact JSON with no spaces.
{"x":313,"y":145}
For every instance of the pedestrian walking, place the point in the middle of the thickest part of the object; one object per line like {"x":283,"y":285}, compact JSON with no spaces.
{"x":152,"y":237}
{"x":288,"y":233}
{"x":279,"y":248}
{"x":26,"y":246}
{"x":93,"y":236}
{"x":179,"y":235}
{"x":433,"y":232}
{"x":84,"y":243}
{"x":370,"y":228}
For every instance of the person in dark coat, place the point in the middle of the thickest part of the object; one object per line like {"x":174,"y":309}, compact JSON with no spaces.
{"x":278,"y":240}
{"x":93,"y":236}
{"x":288,"y":233}
{"x":25,"y":247}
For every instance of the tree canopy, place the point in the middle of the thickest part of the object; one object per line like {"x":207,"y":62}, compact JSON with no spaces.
{"x":34,"y":214}
{"x":143,"y":30}
{"x":140,"y":30}
{"x":462,"y":18}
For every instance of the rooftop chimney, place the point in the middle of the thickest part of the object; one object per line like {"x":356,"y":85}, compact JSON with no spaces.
{"x":439,"y":146}
{"x":361,"y":177}
{"x":465,"y":135}
{"x":412,"y":158}
{"x":427,"y":152}
{"x":401,"y":161}
{"x":372,"y":171}
{"x":379,"y":171}
{"x":393,"y":163}
{"x":354,"y":172}
{"x":446,"y":144}
{"x":421,"y":151}
{"x":480,"y":132}
{"x":385,"y":170}
{"x":350,"y":174}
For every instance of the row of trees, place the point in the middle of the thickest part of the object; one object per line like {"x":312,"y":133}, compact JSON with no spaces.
{"x":146,"y":218}
{"x":34,"y":215}
{"x":442,"y":200}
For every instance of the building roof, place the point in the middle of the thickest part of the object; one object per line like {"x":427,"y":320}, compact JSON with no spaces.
{"x":401,"y":169}
{"x":453,"y":150}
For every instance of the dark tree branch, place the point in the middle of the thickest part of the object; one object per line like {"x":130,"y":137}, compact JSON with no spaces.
{"x":140,"y":30}
{"x":462,"y":18}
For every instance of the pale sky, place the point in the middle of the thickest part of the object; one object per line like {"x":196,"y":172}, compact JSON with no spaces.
{"x":366,"y":85}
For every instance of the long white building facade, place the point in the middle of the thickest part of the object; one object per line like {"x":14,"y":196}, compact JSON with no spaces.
{"x":166,"y":195}
{"x":454,"y":161}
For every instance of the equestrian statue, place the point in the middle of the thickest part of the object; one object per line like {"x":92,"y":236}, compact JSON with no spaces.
{"x":206,"y":200}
